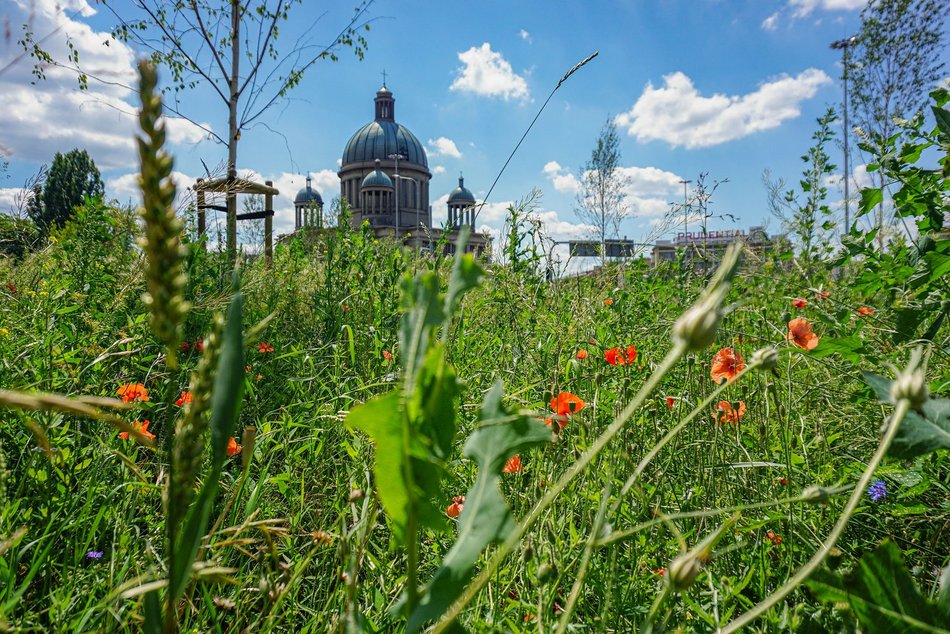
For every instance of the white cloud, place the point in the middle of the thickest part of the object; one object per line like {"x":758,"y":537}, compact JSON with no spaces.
{"x":771,"y":23}
{"x":485,"y":72}
{"x":802,"y":8}
{"x":443,"y":146}
{"x":11,"y":198}
{"x":562,"y":179}
{"x":438,"y":169}
{"x":678,"y":114}
{"x":524,"y":35}
{"x":54,"y":115}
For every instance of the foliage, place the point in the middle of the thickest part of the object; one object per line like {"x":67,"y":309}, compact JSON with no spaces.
{"x":18,"y":236}
{"x":602,"y":199}
{"x":71,"y":178}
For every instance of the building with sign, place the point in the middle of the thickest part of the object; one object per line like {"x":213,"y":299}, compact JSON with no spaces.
{"x":699,"y":247}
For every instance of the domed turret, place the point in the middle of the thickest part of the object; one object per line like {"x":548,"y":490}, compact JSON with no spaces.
{"x":308,"y":207}
{"x":461,"y":205}
{"x":461,"y":194}
{"x":377,"y":179}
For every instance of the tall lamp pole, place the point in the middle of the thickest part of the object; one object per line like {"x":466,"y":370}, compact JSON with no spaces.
{"x":685,"y":182}
{"x":396,"y":158}
{"x":844,"y":46}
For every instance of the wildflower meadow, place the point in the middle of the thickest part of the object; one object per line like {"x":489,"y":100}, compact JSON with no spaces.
{"x":363,"y":437}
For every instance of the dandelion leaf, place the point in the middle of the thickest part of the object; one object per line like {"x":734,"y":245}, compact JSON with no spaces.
{"x":881,"y":593}
{"x":486,"y":517}
{"x":921,"y":431}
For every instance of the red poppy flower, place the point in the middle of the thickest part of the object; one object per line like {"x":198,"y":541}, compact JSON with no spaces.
{"x":730,"y":414}
{"x":864,"y":311}
{"x":132,"y":392}
{"x":387,"y":355}
{"x":670,"y":401}
{"x":659,"y":571}
{"x":822,"y":295}
{"x":455,"y":508}
{"x":264,"y":347}
{"x":142,"y":428}
{"x":259,"y":377}
{"x":233,"y":447}
{"x":615,"y":356}
{"x":12,"y":287}
{"x":801,"y":334}
{"x":184,"y":398}
{"x":726,"y":364}
{"x":184,"y":347}
{"x":799,"y":302}
{"x":775,"y":538}
{"x":581,"y":354}
{"x":608,"y":302}
{"x":566,"y":403}
{"x":513,"y":465}
{"x":200,"y":344}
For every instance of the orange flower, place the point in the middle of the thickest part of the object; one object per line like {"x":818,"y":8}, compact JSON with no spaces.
{"x":799,"y":302}
{"x":726,"y":364}
{"x":616,"y":356}
{"x":822,"y":295}
{"x":659,"y":571}
{"x":581,"y":354}
{"x":264,"y":347}
{"x":184,"y":398}
{"x":864,"y":311}
{"x":801,"y":334}
{"x":387,"y":355}
{"x":132,"y":392}
{"x":566,"y":403}
{"x":775,"y":538}
{"x":730,"y":415}
{"x":455,"y":508}
{"x":670,"y":401}
{"x":233,"y":447}
{"x":513,"y":465}
{"x":608,"y":302}
{"x":142,"y":428}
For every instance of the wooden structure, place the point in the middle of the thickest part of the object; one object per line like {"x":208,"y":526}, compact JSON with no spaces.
{"x":239,"y":186}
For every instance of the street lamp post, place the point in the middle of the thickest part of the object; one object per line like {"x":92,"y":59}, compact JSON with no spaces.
{"x":844,"y":46}
{"x":685,"y":182}
{"x":396,"y":158}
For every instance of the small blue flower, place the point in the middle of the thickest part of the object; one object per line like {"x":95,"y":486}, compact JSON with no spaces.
{"x":94,"y":554}
{"x":877,"y":491}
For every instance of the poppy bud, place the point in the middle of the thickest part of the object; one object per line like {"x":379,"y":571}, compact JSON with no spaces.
{"x":546,"y":572}
{"x":528,"y":553}
{"x":834,"y":558}
{"x":786,"y":317}
{"x":765,"y":358}
{"x":683,"y":571}
{"x":816,"y":495}
{"x":356,"y":495}
{"x":697,"y":326}
{"x":910,"y":386}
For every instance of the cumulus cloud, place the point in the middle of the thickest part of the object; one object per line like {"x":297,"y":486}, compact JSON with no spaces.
{"x":802,"y":8}
{"x":443,"y":146}
{"x":524,"y":35}
{"x":648,"y":192}
{"x":678,"y":114}
{"x":485,"y":72}
{"x":562,"y":179}
{"x":438,"y":169}
{"x":54,"y":115}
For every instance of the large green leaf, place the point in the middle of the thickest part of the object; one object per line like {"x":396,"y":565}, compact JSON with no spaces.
{"x":882,"y":594}
{"x":486,"y":517}
{"x":922,"y":431}
{"x":850,"y":348}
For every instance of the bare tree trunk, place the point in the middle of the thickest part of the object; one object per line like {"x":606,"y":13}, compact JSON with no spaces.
{"x":233,"y":131}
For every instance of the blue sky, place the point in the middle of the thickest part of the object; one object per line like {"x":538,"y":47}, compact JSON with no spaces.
{"x":731,"y":88}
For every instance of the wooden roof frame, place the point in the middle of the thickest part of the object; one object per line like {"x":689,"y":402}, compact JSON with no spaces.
{"x":238,"y":186}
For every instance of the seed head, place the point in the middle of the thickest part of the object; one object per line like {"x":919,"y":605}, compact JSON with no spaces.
{"x":683,"y":571}
{"x":765,"y":358}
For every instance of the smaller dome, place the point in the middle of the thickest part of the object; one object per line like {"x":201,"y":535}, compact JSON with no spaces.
{"x":384,"y":91}
{"x":461,"y":194}
{"x":308,"y":195}
{"x":377,"y":179}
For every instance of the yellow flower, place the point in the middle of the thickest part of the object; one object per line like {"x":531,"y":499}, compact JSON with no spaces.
{"x":4,"y":332}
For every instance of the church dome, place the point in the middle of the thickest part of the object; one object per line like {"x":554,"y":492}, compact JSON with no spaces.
{"x":308,"y":195}
{"x":383,"y":136}
{"x":461,"y":194}
{"x":377,"y":178}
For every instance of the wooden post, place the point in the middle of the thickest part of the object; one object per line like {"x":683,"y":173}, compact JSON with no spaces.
{"x":201,"y":214}
{"x":269,"y":226}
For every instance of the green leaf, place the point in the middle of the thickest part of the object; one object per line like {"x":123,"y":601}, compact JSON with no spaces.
{"x":850,"y":348}
{"x":423,"y":311}
{"x":466,"y":275}
{"x":943,"y":120}
{"x":226,"y":398}
{"x":486,"y":517}
{"x":921,"y":432}
{"x":153,"y":613}
{"x":870,"y":198}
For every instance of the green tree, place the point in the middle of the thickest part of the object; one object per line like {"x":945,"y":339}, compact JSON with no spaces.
{"x":602,"y":200}
{"x":801,"y":211}
{"x":898,"y":57}
{"x":71,"y":178}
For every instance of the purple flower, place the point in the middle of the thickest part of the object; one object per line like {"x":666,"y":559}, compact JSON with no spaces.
{"x":877,"y":491}
{"x":94,"y":554}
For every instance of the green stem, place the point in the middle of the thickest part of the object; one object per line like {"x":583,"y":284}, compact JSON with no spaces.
{"x":672,"y":357}
{"x":805,"y":571}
